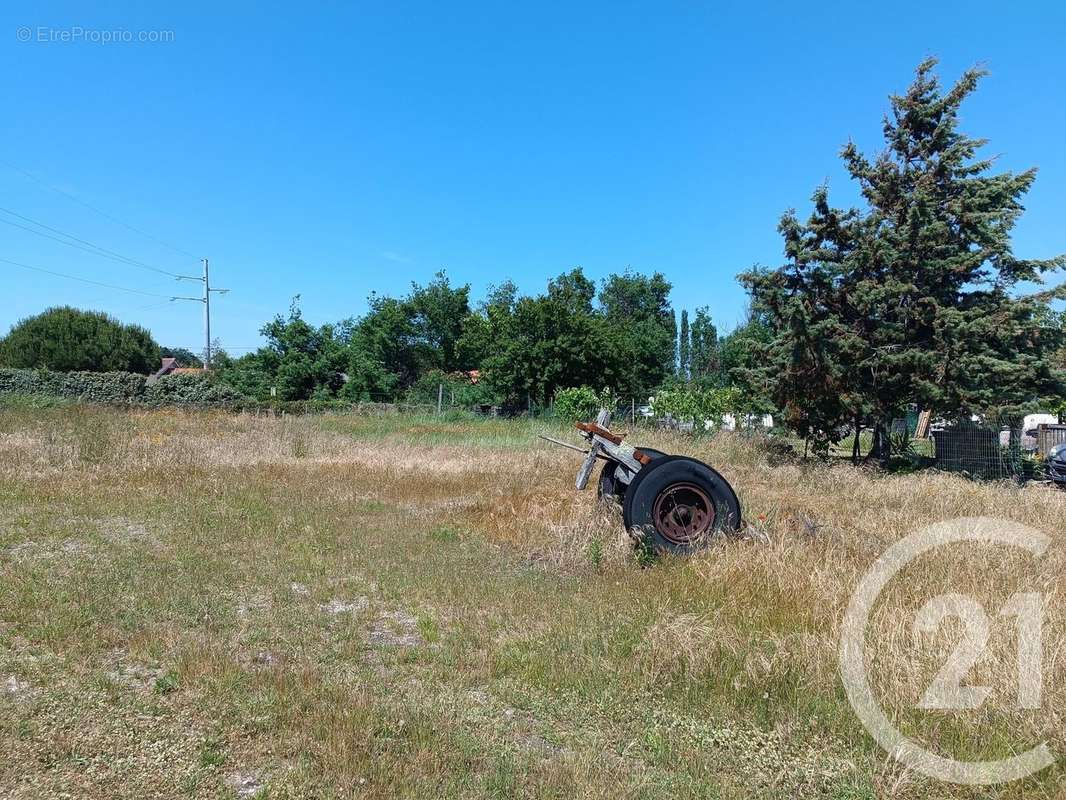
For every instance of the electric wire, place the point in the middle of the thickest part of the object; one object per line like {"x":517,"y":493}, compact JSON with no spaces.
{"x":82,"y":280}
{"x":94,"y":249}
{"x":96,"y":210}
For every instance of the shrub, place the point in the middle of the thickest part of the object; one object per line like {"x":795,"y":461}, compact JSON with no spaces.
{"x":458,"y":390}
{"x":65,"y":338}
{"x":581,"y":403}
{"x":697,"y":405}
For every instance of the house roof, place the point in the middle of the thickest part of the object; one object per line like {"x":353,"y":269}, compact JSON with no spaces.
{"x":169,"y":366}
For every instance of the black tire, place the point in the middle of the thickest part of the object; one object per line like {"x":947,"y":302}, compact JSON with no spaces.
{"x":678,"y":504}
{"x":611,"y":490}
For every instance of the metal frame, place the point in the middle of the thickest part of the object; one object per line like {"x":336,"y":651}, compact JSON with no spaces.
{"x":606,"y":445}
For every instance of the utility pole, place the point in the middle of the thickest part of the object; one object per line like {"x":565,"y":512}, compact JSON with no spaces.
{"x":207,"y":317}
{"x":206,"y":300}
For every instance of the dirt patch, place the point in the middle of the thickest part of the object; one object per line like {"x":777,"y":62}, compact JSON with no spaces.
{"x":18,"y":689}
{"x":266,"y":659}
{"x":246,"y":783}
{"x":65,"y":550}
{"x":395,"y":629}
{"x":535,"y":743}
{"x":131,"y":674}
{"x":336,"y":606}
{"x":121,"y":530}
{"x":252,"y":604}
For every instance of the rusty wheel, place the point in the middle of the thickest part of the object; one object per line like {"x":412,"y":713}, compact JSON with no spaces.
{"x":683,"y":513}
{"x":678,"y":504}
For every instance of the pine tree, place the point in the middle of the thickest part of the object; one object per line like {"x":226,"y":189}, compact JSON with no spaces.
{"x":684,"y":348}
{"x":812,"y":363}
{"x":910,"y":299}
{"x":941,"y":245}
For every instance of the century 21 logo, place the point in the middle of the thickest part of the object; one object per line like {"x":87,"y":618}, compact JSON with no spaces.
{"x":946,"y":690}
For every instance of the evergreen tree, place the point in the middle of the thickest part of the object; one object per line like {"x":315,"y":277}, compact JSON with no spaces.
{"x":69,"y":339}
{"x":909,"y":300}
{"x":738,"y":355}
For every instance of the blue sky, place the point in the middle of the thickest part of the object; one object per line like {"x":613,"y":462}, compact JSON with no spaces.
{"x":332,"y":149}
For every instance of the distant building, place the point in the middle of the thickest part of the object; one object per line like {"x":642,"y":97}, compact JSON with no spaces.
{"x":170,"y":367}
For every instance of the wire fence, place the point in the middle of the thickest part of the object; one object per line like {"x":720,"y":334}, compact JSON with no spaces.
{"x":996,"y":448}
{"x":986,"y":449}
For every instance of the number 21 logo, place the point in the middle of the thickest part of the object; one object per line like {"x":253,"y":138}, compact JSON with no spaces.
{"x":946,"y":690}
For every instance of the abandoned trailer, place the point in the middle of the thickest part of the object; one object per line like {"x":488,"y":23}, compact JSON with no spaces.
{"x":674,"y":504}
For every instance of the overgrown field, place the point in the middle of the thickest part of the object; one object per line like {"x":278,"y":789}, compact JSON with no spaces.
{"x":199,"y":604}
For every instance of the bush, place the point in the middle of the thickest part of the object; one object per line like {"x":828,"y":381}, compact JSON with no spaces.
{"x":581,"y":403}
{"x":68,"y":339}
{"x":696,"y":405}
{"x":195,"y":390}
{"x":458,"y":391}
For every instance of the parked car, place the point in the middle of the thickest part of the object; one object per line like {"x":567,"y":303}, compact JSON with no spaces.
{"x":1056,"y":464}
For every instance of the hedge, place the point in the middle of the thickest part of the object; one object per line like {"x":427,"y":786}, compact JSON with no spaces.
{"x":121,"y":388}
{"x":192,"y":390}
{"x":186,"y":389}
{"x":92,"y":387}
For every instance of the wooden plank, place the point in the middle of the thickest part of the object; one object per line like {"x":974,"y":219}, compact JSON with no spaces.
{"x":921,"y":430}
{"x":622,"y":453}
{"x":599,"y":430}
{"x":585,"y":472}
{"x":1049,"y":435}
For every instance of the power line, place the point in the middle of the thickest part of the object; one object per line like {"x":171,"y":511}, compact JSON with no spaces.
{"x":82,"y":280}
{"x":94,"y":249}
{"x":96,"y":210}
{"x":90,"y":244}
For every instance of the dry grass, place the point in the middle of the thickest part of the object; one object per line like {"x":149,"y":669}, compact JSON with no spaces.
{"x":198,"y":604}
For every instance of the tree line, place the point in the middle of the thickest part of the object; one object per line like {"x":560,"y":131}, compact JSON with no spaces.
{"x":517,"y":350}
{"x":913,"y":299}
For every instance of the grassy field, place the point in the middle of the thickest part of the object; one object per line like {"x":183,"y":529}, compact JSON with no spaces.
{"x":210,"y":605}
